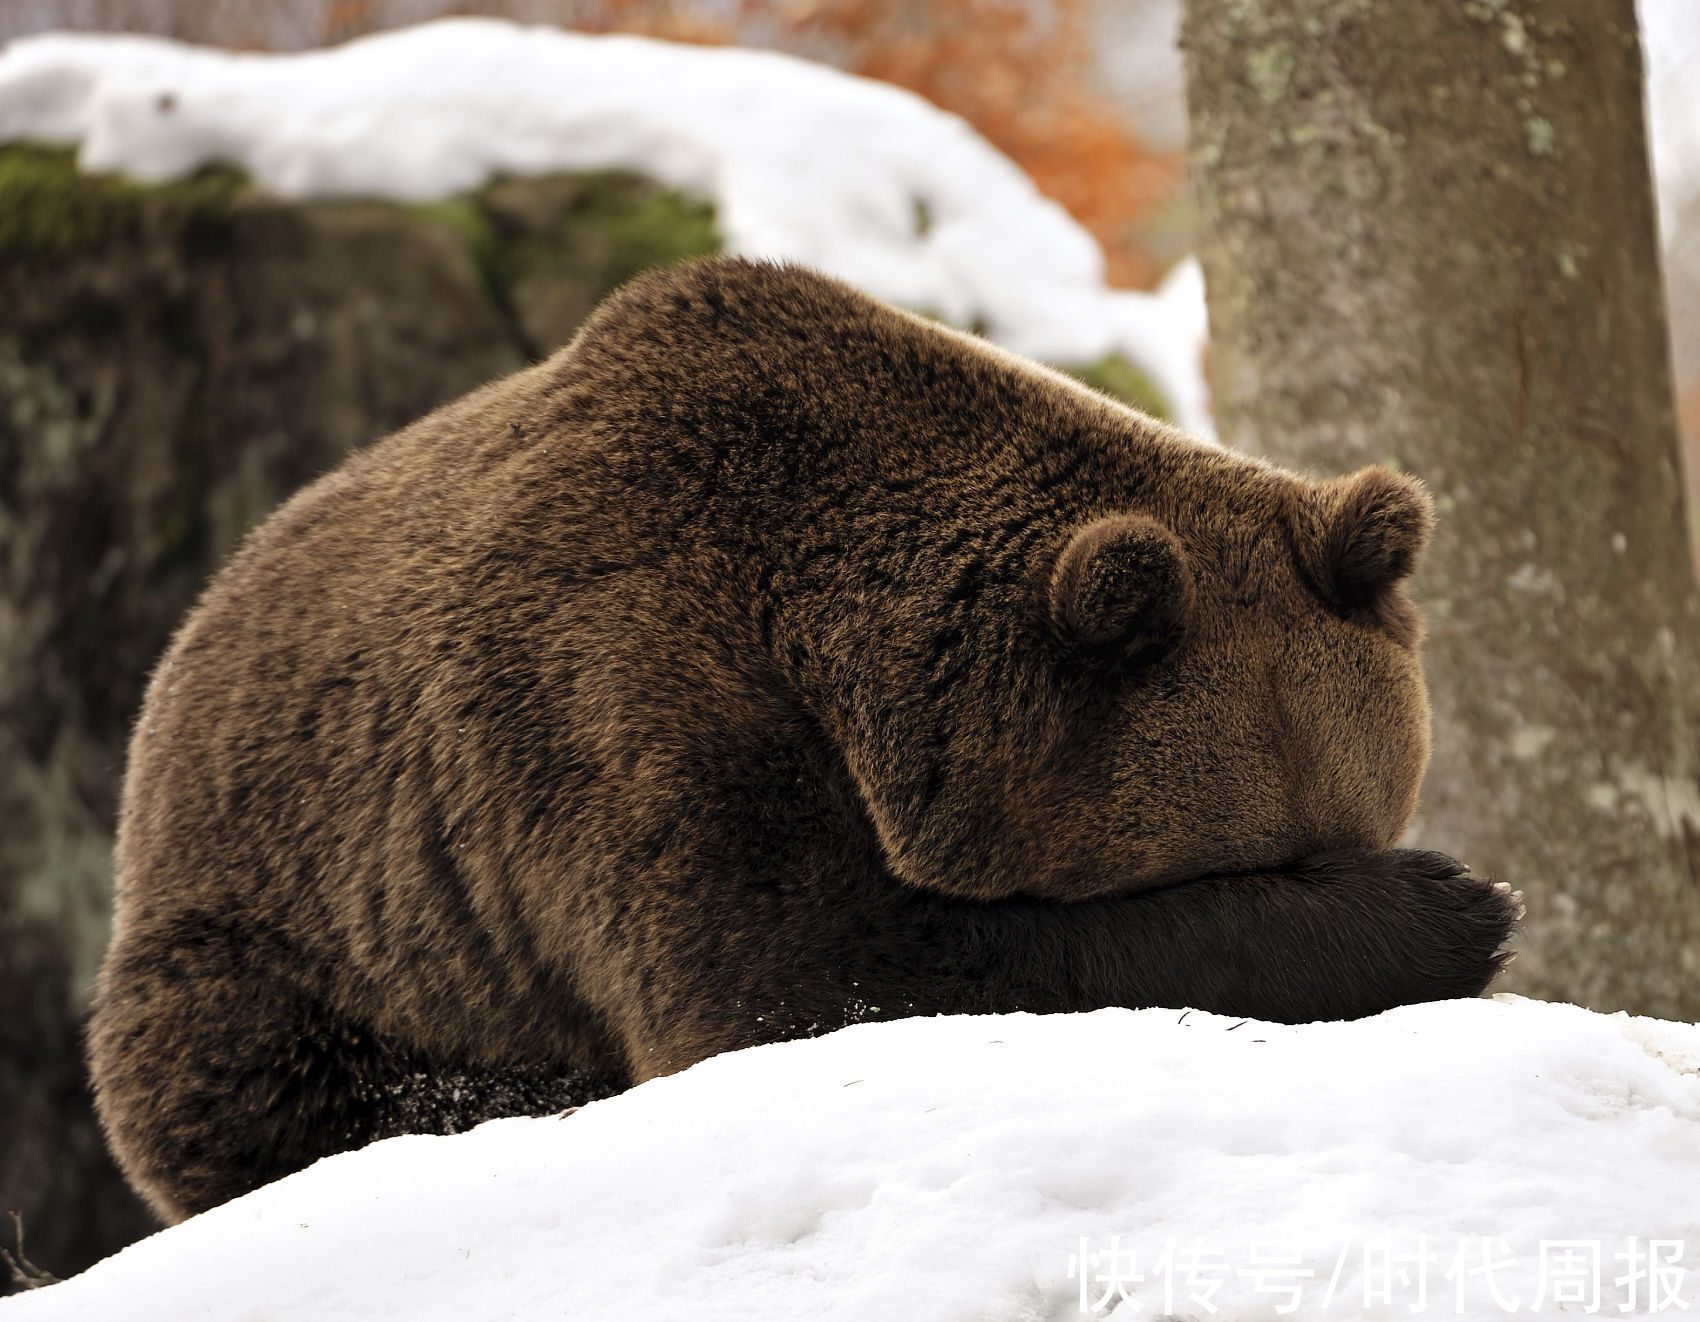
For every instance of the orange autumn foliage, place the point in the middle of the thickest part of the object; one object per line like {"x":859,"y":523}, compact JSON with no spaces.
{"x":1025,"y":85}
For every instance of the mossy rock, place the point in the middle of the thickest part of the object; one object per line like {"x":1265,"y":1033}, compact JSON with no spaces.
{"x":531,"y":238}
{"x":556,"y":246}
{"x":1121,"y":380}
{"x":51,"y":211}
{"x":549,"y":248}
{"x":175,"y":360}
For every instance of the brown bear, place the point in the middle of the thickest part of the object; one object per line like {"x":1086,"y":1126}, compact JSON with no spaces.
{"x":766,"y":660}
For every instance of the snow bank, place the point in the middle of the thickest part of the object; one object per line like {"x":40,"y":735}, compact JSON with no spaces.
{"x":956,"y":1168}
{"x":844,"y":174}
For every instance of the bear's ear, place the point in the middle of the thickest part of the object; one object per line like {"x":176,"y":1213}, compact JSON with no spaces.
{"x":1361,"y":534}
{"x":1121,"y":588}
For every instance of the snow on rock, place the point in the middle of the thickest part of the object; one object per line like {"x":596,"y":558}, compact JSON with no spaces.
{"x":956,"y":1168}
{"x":853,"y":177}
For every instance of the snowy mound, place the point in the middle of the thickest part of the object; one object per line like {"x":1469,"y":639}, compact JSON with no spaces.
{"x":850,"y":176}
{"x":1519,"y":1156}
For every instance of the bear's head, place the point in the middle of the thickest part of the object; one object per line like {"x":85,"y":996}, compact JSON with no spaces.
{"x":1254,"y":697}
{"x":1224,"y":688}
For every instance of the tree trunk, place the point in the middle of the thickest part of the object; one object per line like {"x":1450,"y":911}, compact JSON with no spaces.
{"x":1428,"y":238}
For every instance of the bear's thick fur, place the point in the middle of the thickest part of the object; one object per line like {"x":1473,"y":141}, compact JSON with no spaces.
{"x":766,"y":660}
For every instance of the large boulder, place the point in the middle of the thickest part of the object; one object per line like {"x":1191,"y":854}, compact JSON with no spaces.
{"x":174,"y":362}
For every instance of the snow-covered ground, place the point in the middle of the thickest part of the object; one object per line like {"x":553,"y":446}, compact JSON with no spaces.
{"x":1528,"y":1159}
{"x":851,"y":176}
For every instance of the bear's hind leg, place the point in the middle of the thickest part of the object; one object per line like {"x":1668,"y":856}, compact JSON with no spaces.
{"x":214,"y":1075}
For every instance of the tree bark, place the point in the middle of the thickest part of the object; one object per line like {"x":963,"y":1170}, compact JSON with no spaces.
{"x":1429,"y":241}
